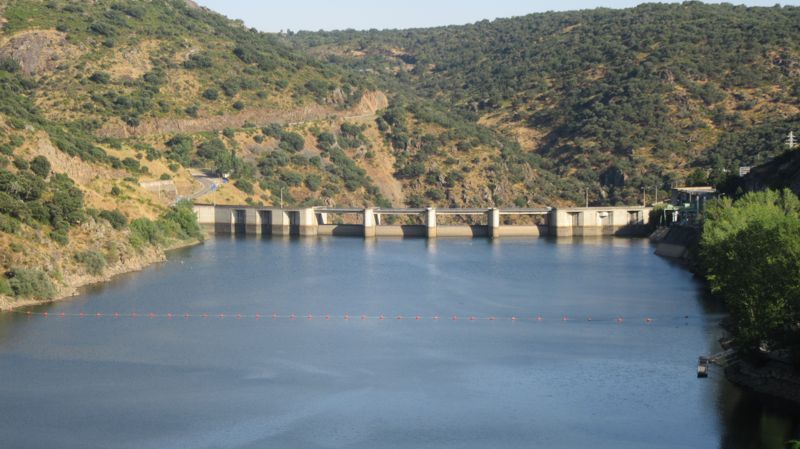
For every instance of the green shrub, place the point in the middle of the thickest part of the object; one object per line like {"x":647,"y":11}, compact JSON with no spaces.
{"x":40,"y":166}
{"x":66,"y":204}
{"x":8,"y":224}
{"x":31,"y":283}
{"x":313,"y":182}
{"x":115,"y":191}
{"x":434,"y":194}
{"x":102,"y":29}
{"x":5,"y":289}
{"x":100,"y":78}
{"x":9,"y":65}
{"x":198,"y":61}
{"x":231,"y":86}
{"x":115,"y":218}
{"x":292,"y":141}
{"x":145,"y":232}
{"x":131,"y":164}
{"x":183,"y":216}
{"x":60,"y":236}
{"x":211,"y":94}
{"x":274,"y":130}
{"x":165,"y":177}
{"x":238,"y":105}
{"x":21,"y":164}
{"x":93,"y":261}
{"x":244,"y":185}
{"x":292,"y":178}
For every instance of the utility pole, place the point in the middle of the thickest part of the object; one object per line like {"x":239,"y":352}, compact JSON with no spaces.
{"x":656,"y":196}
{"x":281,"y":197}
{"x":644,"y":197}
{"x":587,"y":197}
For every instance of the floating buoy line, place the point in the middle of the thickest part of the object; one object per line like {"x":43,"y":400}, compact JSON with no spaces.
{"x":306,"y":317}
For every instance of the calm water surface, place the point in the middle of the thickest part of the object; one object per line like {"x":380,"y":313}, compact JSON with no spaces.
{"x":246,"y":383}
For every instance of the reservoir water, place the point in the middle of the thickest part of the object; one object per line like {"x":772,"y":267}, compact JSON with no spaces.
{"x":591,"y":380}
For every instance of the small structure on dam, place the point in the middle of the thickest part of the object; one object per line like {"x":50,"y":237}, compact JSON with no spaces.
{"x":426,"y":222}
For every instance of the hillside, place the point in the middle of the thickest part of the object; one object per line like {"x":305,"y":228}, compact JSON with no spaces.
{"x":101,"y":101}
{"x":110,"y":110}
{"x":604,"y":99}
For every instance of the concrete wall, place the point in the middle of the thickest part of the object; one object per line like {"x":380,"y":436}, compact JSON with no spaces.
{"x":342,"y":230}
{"x":401,"y":231}
{"x":595,"y":221}
{"x":522,"y":231}
{"x":462,"y":231}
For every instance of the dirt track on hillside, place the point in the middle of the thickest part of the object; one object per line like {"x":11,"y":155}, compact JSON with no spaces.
{"x":369,"y":104}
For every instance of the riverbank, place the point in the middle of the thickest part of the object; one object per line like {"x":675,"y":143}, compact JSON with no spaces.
{"x":775,"y":380}
{"x":74,"y":282}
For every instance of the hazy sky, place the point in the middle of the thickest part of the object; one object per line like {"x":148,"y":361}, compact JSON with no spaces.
{"x":365,"y":14}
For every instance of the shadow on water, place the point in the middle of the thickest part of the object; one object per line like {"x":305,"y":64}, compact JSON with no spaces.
{"x":753,"y":422}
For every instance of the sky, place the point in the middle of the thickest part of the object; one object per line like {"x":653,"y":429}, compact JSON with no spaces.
{"x":313,"y":15}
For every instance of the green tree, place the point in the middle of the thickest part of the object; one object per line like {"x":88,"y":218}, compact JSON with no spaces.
{"x":750,"y":250}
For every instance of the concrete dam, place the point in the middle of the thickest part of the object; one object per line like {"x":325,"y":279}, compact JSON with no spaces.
{"x":428,"y":222}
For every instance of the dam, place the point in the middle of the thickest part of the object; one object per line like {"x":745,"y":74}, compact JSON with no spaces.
{"x":429,"y":222}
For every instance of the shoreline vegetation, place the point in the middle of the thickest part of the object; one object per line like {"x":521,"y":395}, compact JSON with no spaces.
{"x":749,"y":252}
{"x":143,"y":261}
{"x":111,"y":252}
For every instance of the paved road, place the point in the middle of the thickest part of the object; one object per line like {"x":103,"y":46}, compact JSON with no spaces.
{"x":207,"y":183}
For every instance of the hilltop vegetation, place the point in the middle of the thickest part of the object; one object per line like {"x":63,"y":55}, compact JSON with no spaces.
{"x":612,"y":99}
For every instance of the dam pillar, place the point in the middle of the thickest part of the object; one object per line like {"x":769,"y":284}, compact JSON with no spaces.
{"x":223,"y":220}
{"x":493,"y":222}
{"x":308,"y":222}
{"x":561,"y":222}
{"x":280,"y":222}
{"x":252,"y":222}
{"x":430,"y":222}
{"x":322,"y":218}
{"x":369,"y":223}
